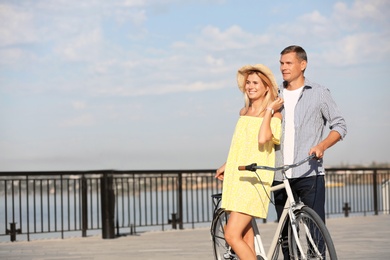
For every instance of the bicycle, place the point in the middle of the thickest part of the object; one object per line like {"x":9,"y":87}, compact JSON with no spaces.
{"x":307,"y":238}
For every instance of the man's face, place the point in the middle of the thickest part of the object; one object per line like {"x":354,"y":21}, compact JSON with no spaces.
{"x":291,"y":67}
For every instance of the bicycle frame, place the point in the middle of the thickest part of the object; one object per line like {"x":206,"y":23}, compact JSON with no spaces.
{"x":289,"y":208}
{"x":307,"y":235}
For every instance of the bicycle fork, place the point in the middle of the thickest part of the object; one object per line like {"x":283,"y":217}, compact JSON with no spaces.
{"x":293,"y":220}
{"x":259,"y":248}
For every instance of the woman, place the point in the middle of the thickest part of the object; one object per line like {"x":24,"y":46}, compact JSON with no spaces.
{"x":245,"y":194}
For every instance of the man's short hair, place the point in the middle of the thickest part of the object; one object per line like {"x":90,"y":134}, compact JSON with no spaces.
{"x":301,"y":53}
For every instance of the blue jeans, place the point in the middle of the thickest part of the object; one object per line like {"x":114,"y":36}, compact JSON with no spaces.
{"x":309,"y":190}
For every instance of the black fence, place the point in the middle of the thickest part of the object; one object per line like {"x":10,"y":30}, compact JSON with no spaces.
{"x":358,"y":191}
{"x":36,"y":205}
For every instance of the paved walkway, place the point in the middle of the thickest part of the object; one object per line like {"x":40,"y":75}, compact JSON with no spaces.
{"x":354,"y":238}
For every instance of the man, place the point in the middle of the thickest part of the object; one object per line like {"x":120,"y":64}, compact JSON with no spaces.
{"x":307,"y":108}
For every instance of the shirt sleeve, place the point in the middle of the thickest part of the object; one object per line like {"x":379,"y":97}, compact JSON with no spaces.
{"x":333,"y":115}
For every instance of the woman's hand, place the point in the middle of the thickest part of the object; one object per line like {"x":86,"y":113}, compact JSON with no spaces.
{"x":277,"y":104}
{"x":220,"y":173}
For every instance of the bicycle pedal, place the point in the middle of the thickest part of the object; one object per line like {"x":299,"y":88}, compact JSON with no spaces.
{"x":229,"y":256}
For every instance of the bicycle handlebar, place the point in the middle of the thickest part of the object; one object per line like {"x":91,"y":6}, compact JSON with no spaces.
{"x":253,"y":167}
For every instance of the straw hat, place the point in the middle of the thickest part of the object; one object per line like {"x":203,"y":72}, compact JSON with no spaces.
{"x":258,"y":67}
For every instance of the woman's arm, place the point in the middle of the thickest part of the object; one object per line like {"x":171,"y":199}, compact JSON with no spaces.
{"x":265,"y":133}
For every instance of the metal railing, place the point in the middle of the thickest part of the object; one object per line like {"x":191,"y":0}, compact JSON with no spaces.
{"x":63,"y":204}
{"x":359,"y":191}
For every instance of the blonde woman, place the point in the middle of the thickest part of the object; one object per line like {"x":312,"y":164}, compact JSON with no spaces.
{"x":257,"y":131}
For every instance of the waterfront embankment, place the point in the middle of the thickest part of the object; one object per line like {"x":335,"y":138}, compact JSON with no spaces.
{"x":355,"y":238}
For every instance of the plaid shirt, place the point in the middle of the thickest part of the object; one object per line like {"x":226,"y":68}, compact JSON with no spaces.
{"x":315,"y":108}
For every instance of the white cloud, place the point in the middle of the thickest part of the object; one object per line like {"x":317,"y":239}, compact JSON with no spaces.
{"x":357,"y":49}
{"x":74,"y":31}
{"x":78,"y":121}
{"x":211,"y":38}
{"x":362,"y":10}
{"x":353,"y":34}
{"x":134,"y":3}
{"x":17,"y":26}
{"x":100,"y":65}
{"x":314,"y":17}
{"x":363,"y":34}
{"x":79,"y":105}
{"x":159,"y":89}
{"x":14,"y":57}
{"x":84,"y":47}
{"x":214,"y":61}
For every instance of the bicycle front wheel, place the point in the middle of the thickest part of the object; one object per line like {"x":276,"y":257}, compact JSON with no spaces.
{"x":313,"y":240}
{"x":221,"y":248}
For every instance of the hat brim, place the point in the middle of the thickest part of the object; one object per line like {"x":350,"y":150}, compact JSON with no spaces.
{"x":241,"y":75}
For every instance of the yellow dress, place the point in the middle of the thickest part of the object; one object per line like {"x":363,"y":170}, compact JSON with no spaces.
{"x":242,"y":190}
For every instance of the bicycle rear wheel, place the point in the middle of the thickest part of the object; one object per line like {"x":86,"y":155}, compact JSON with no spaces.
{"x":222,"y":250}
{"x":313,"y":237}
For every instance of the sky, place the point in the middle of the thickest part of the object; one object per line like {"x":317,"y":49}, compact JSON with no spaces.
{"x":151,"y":84}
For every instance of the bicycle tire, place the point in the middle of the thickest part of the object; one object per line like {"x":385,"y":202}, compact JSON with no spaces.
{"x":313,"y":235}
{"x":221,"y":249}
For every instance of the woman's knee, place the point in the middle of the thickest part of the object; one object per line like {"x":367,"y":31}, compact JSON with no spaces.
{"x":232,"y":235}
{"x":229,"y":235}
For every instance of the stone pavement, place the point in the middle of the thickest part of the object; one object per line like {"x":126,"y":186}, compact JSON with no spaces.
{"x":354,"y":237}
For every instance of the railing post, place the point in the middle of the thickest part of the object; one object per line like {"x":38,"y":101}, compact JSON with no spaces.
{"x":386,"y":196}
{"x":173,"y":221}
{"x":346,"y":209}
{"x":180,"y":199}
{"x":108,"y":206}
{"x":13,"y":231}
{"x":375,"y":190}
{"x":84,"y":205}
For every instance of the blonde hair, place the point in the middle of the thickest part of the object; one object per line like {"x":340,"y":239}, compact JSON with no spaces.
{"x":270,"y":95}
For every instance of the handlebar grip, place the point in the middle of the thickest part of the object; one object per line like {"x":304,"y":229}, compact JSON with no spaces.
{"x":314,"y":156}
{"x":242,"y":168}
{"x":251,"y":167}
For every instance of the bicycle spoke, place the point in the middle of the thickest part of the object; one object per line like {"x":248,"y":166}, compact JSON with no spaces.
{"x":313,"y":240}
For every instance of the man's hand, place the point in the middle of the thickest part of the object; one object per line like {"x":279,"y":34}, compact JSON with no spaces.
{"x":318,"y":151}
{"x":330,"y":140}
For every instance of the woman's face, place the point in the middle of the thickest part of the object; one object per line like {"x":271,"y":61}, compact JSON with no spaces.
{"x":254,"y":87}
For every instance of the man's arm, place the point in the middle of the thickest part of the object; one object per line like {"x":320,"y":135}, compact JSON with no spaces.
{"x":332,"y":138}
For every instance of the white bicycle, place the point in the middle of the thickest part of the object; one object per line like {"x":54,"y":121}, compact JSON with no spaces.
{"x":307,"y":238}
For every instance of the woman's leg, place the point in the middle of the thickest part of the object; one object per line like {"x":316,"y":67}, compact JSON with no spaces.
{"x":249,"y":238}
{"x":238,"y":227}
